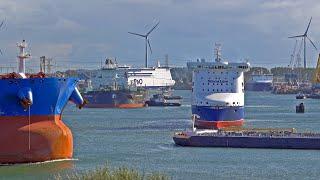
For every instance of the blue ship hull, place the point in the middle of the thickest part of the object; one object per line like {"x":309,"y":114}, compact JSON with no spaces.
{"x":250,"y":142}
{"x":30,"y":114}
{"x":213,"y":117}
{"x":49,"y":95}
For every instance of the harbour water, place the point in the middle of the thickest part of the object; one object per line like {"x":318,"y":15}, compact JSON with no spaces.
{"x":142,"y":139}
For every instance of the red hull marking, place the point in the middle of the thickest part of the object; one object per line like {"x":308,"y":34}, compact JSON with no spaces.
{"x":49,"y":139}
{"x":218,"y":124}
{"x":128,"y":106}
{"x":125,"y":106}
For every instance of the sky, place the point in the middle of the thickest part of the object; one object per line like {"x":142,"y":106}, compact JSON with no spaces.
{"x":81,"y":34}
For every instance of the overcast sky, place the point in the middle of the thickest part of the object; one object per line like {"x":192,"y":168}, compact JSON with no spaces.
{"x":82,"y":33}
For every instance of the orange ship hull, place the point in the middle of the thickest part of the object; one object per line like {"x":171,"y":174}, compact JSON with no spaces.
{"x":40,"y":138}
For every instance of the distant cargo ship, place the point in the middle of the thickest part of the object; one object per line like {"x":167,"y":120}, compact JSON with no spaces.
{"x":218,"y":92}
{"x":109,"y":98}
{"x":259,"y":82}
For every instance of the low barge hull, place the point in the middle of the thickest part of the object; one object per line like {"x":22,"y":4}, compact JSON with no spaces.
{"x":249,"y":142}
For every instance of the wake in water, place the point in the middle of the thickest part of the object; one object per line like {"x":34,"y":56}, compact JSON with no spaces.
{"x":43,"y":162}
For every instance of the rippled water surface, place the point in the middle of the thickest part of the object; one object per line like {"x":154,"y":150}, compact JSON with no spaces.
{"x":142,"y":139}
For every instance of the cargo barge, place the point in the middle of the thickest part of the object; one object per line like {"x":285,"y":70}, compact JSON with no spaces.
{"x":249,"y":138}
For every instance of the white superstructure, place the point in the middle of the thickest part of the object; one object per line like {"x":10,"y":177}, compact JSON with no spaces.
{"x":112,"y":74}
{"x":261,"y":78}
{"x":150,"y":77}
{"x":218,"y":84}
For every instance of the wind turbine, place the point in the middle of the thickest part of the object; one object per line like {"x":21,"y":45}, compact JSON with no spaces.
{"x":304,"y":37}
{"x":145,"y":36}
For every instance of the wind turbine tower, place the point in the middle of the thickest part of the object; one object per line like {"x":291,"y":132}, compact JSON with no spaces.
{"x":304,"y":37}
{"x":147,"y":42}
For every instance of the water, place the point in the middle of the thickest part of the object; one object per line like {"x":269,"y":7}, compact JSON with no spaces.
{"x":142,"y":139}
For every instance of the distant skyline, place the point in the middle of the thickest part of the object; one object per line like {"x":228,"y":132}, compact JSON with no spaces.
{"x":81,"y":34}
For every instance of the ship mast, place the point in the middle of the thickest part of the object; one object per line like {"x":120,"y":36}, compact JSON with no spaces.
{"x":22,"y":56}
{"x":217,"y":52}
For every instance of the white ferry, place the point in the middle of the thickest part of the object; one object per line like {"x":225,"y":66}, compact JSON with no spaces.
{"x":148,"y":78}
{"x":218,"y":92}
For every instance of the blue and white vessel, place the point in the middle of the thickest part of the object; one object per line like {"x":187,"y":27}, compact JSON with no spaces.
{"x":218,"y":92}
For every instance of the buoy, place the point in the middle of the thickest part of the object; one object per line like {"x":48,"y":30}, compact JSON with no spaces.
{"x":300,"y":108}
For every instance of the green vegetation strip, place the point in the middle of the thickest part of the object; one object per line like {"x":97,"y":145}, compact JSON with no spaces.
{"x":105,"y":173}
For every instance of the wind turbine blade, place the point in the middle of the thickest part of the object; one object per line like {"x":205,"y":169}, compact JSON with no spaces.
{"x":296,"y":36}
{"x":137,"y":34}
{"x":153,"y":28}
{"x":1,"y":24}
{"x":308,"y":26}
{"x":312,"y":43}
{"x":149,"y":46}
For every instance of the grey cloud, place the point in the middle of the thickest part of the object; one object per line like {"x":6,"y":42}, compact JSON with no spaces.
{"x":96,"y":29}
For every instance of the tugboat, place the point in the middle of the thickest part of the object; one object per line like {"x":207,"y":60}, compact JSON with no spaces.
{"x":218,"y":92}
{"x":31,"y":107}
{"x":301,"y":96}
{"x":164,"y":99}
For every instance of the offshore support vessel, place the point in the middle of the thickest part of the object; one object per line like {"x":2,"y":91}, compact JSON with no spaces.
{"x":31,"y":107}
{"x":218,"y":92}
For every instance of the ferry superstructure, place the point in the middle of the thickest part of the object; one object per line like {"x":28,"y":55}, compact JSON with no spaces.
{"x":218,"y":93}
{"x":148,"y":78}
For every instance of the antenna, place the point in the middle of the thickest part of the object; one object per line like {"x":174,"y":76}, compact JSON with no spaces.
{"x":217,"y":52}
{"x":147,"y":42}
{"x":304,"y":37}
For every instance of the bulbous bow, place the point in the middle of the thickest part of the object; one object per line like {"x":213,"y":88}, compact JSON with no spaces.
{"x":26,"y":97}
{"x":77,"y":98}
